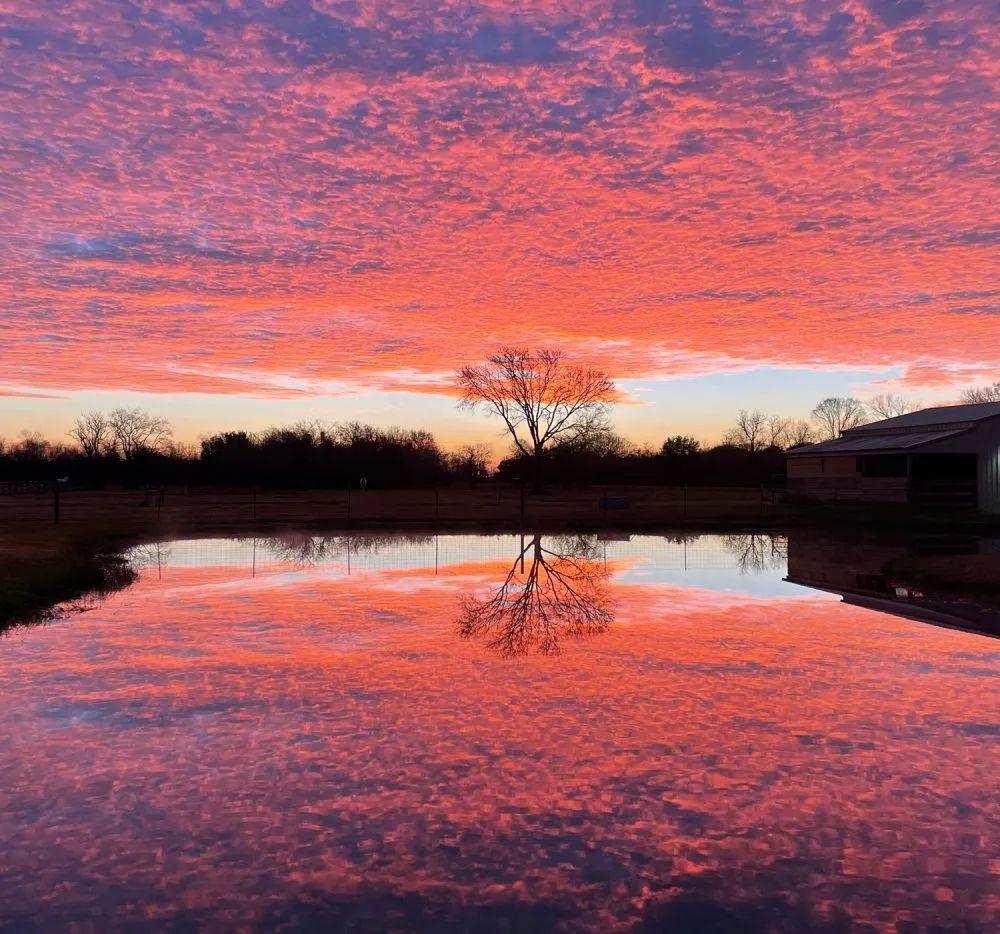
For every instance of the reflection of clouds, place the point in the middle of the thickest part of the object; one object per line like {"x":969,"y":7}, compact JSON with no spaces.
{"x":295,"y":755}
{"x":549,"y":594}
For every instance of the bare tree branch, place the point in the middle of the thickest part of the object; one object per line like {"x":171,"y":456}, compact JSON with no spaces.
{"x":92,"y":431}
{"x":837,"y":415}
{"x":539,"y":397}
{"x":989,"y":393}
{"x":886,"y":405}
{"x":135,"y":432}
{"x":560,"y":595}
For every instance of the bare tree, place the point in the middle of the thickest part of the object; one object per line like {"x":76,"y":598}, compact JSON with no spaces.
{"x":92,"y":431}
{"x":135,"y":432}
{"x":471,"y":462}
{"x":837,"y":415}
{"x":750,"y":431}
{"x":800,"y":432}
{"x":32,"y":446}
{"x":561,"y":594}
{"x":989,"y":393}
{"x":540,"y":398}
{"x":777,"y":429}
{"x":886,"y":405}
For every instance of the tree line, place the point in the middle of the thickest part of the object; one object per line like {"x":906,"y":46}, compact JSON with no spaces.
{"x":830,"y":418}
{"x":132,"y":447}
{"x":756,"y":430}
{"x":555,"y":413}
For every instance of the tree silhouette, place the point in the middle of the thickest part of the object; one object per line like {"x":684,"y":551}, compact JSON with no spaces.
{"x":756,"y":431}
{"x":990,"y":393}
{"x":837,"y":415}
{"x":887,"y":405}
{"x":540,"y":398}
{"x":92,"y":431}
{"x":548,"y":595}
{"x":136,"y":432}
{"x":680,"y":446}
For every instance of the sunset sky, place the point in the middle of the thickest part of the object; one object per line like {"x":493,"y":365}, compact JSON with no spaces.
{"x":241,"y":213}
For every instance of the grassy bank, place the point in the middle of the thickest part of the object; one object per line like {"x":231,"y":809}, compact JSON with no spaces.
{"x":36,"y":574}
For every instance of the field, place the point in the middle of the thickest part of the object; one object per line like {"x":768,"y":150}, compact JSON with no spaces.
{"x":179,"y":509}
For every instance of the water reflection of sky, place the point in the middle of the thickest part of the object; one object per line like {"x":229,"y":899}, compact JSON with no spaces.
{"x":738,"y":564}
{"x":251,"y":737}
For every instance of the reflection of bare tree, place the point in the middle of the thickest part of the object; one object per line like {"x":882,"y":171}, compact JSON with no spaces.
{"x":305,"y":549}
{"x":756,"y":553}
{"x":148,"y":555}
{"x":548,"y":594}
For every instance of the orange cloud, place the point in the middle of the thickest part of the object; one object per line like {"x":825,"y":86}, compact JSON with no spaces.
{"x":284,"y":198}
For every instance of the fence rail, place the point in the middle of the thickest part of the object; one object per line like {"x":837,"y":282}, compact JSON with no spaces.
{"x":189,"y":506}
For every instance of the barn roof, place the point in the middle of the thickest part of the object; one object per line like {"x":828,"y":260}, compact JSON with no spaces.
{"x":941,"y":415}
{"x":862,"y":443}
{"x":905,"y":432}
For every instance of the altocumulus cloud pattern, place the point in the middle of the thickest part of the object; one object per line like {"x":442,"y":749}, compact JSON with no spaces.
{"x":308,"y":195}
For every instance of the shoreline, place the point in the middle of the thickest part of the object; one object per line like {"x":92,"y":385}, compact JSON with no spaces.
{"x":43,"y":564}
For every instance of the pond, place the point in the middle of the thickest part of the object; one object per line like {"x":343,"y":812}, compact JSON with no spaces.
{"x":500,"y":733}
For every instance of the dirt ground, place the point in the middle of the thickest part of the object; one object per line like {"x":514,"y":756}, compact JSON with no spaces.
{"x":131,"y":511}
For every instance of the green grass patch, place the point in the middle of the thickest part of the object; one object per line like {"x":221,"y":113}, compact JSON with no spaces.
{"x":31,"y":588}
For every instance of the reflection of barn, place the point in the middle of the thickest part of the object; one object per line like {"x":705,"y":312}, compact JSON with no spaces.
{"x":856,"y":572}
{"x":947,"y":456}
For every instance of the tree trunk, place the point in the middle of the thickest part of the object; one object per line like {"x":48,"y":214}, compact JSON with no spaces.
{"x":539,"y":485}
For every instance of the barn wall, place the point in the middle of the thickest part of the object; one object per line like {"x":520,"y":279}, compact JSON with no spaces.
{"x":989,"y":471}
{"x":851,"y":488}
{"x":985,"y":442}
{"x":820,"y":467}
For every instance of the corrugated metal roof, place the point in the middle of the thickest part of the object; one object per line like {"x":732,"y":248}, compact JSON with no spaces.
{"x":859,"y":443}
{"x":942,"y":416}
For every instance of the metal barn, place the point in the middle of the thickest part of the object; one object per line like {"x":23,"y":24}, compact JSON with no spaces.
{"x":943,"y":457}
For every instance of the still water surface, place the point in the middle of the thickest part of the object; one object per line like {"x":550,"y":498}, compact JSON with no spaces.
{"x":495,"y":733}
